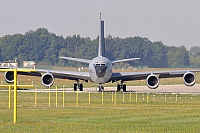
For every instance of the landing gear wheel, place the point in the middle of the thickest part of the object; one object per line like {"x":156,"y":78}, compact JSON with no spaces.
{"x":81,"y":87}
{"x":118,"y":87}
{"x":75,"y":87}
{"x":124,"y":88}
{"x":102,"y":88}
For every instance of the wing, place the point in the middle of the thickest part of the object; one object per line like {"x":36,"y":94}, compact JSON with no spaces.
{"x":48,"y":75}
{"x":127,"y":76}
{"x":125,"y":60}
{"x":76,"y":59}
{"x":72,"y":75}
{"x":152,"y":78}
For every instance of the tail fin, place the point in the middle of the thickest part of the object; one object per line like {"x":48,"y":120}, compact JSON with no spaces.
{"x":101,"y":51}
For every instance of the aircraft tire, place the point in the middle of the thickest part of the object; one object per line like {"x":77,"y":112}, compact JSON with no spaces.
{"x":81,"y":87}
{"x":75,"y":87}
{"x":102,"y":88}
{"x":118,"y":87}
{"x":124,"y":88}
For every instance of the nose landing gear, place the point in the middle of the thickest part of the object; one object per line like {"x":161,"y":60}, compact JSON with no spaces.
{"x":100,"y":88}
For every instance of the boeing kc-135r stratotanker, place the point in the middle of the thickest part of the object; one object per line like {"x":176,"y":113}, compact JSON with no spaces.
{"x":100,"y":72}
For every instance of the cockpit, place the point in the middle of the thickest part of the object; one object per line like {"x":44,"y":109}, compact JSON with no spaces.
{"x":99,"y":64}
{"x":100,"y":68}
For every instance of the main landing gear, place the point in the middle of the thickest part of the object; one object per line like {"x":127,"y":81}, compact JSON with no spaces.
{"x":121,"y":87}
{"x":78,"y":86}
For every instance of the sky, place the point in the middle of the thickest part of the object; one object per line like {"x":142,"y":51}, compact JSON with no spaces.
{"x":173,"y":22}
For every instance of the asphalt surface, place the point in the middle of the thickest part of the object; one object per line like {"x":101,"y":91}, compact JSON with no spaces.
{"x":161,"y":89}
{"x":144,"y":89}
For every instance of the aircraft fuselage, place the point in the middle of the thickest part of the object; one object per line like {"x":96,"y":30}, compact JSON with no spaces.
{"x":100,"y":70}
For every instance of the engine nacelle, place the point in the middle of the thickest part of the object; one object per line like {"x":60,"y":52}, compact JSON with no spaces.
{"x":47,"y":79}
{"x":152,"y":81}
{"x":189,"y":79}
{"x":9,"y":76}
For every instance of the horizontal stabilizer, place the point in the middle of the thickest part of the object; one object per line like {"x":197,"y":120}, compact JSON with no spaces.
{"x":125,"y":60}
{"x":76,"y":59}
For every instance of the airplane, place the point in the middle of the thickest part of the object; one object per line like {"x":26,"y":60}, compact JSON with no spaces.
{"x":101,"y":71}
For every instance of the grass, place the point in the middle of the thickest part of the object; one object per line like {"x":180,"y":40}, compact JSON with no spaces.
{"x":155,"y":114}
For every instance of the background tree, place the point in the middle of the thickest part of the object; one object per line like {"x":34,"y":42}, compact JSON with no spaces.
{"x":195,"y":56}
{"x":178,"y":56}
{"x":45,"y":48}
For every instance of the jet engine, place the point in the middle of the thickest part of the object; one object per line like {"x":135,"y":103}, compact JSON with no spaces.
{"x":9,"y":77}
{"x":152,"y":81}
{"x":189,"y":79}
{"x":47,"y":79}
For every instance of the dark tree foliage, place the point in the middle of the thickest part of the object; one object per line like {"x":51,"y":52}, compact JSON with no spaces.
{"x":195,"y":51}
{"x":178,"y":56}
{"x":195,"y":56}
{"x":44,"y":47}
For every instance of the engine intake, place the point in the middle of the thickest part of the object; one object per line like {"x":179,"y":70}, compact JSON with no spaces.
{"x":9,"y":77}
{"x":47,"y":79}
{"x":152,"y":81}
{"x":189,"y":79}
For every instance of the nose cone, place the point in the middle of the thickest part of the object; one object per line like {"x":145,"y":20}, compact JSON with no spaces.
{"x":100,"y":70}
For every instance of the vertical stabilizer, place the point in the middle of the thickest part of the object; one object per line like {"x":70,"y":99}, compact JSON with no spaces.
{"x":101,"y":51}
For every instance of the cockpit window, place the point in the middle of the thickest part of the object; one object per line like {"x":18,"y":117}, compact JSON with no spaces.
{"x":99,"y":64}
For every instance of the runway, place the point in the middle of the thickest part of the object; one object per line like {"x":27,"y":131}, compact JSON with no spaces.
{"x":161,"y":89}
{"x":181,"y":88}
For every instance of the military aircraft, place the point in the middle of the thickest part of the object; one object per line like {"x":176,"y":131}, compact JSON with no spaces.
{"x":100,"y":72}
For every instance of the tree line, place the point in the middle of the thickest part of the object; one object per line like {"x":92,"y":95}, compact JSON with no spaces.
{"x":45,"y":48}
